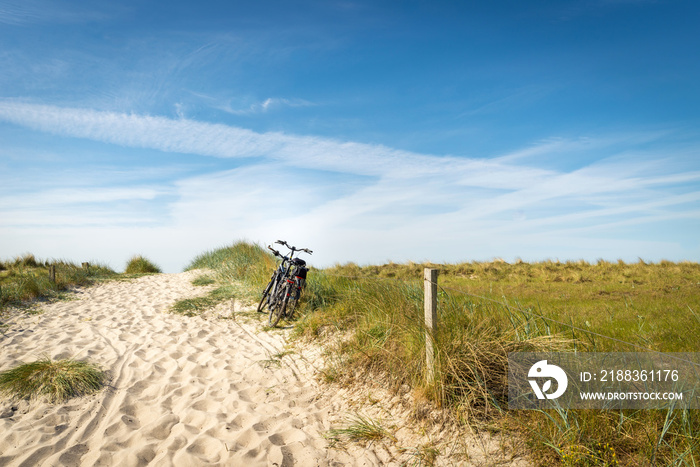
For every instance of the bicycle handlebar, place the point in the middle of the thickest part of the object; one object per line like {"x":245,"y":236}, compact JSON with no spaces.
{"x":293,"y":248}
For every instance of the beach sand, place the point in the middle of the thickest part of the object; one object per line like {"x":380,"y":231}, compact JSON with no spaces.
{"x":183,"y":391}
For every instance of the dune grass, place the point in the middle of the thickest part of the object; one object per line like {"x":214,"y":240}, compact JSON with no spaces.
{"x":384,"y":320}
{"x":654,"y":305}
{"x":141,"y":265}
{"x":241,"y":262}
{"x":56,"y":380}
{"x":26,"y":279}
{"x":487,"y":310}
{"x":236,"y":271}
{"x":359,"y":428}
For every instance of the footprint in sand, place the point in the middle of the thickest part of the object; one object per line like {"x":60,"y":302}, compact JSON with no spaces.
{"x":183,"y":391}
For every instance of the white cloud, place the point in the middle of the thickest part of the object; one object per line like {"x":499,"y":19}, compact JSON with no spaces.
{"x":64,"y":196}
{"x":206,"y":139}
{"x":268,"y":104}
{"x":355,"y":201}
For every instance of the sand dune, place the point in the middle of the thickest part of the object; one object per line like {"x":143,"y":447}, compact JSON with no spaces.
{"x":183,"y":391}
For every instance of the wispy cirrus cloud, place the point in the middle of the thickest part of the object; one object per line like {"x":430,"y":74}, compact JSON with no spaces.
{"x":265,"y":106}
{"x":224,"y":141}
{"x":20,"y":12}
{"x":359,"y":200}
{"x":14,"y":13}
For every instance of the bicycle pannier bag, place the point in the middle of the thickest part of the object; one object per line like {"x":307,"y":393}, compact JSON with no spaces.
{"x":301,"y":272}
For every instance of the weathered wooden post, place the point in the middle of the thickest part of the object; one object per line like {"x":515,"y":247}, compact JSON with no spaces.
{"x":430,"y":299}
{"x":86,"y":266}
{"x":52,"y":273}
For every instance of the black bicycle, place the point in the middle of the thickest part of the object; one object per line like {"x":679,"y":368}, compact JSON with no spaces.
{"x":286,"y":284}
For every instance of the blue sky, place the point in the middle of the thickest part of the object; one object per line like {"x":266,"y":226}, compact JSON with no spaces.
{"x":366,"y":131}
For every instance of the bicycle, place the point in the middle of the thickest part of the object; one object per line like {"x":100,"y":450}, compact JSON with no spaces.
{"x":286,"y":284}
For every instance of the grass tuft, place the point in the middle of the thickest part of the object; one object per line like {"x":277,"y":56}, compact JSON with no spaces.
{"x":193,"y":306}
{"x":359,"y":428}
{"x":423,"y":455}
{"x":140,"y":265}
{"x":203,"y":280}
{"x":56,"y":380}
{"x":27,"y":261}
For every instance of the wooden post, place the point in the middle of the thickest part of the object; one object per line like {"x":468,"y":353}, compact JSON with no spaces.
{"x":86,"y":266}
{"x":52,"y":273}
{"x":430,"y":299}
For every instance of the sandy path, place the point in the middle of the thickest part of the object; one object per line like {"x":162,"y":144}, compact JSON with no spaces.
{"x":184,"y":391}
{"x":192,"y":392}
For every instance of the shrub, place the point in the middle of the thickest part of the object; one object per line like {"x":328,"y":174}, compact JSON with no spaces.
{"x":140,"y":265}
{"x":57,"y":380}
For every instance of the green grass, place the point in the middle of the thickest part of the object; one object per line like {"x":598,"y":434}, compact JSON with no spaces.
{"x":359,"y":428}
{"x":140,"y":265}
{"x":384,"y":319}
{"x":195,"y":306}
{"x":56,"y":380}
{"x":238,"y":271}
{"x":203,"y":280}
{"x":26,"y":279}
{"x":654,"y":306}
{"x":487,"y":310}
{"x":424,"y":454}
{"x":240,"y":262}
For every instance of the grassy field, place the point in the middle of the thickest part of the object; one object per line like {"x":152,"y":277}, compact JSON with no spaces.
{"x":487,"y":310}
{"x":25,"y":279}
{"x":653,"y":305}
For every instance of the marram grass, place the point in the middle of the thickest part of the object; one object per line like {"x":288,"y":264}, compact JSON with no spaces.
{"x":26,"y":279}
{"x":359,"y":428}
{"x":242,"y":263}
{"x":56,"y":380}
{"x":488,"y":310}
{"x":140,"y":265}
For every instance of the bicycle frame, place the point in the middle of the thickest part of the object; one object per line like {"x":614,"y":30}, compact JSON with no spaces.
{"x":283,"y":284}
{"x":281,"y":273}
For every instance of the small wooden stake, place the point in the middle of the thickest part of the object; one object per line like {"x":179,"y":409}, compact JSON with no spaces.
{"x":52,"y":273}
{"x":430,"y":299}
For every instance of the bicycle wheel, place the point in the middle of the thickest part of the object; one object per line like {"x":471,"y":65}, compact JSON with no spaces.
{"x":277,"y":309}
{"x":264,"y":300}
{"x":293,"y":300}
